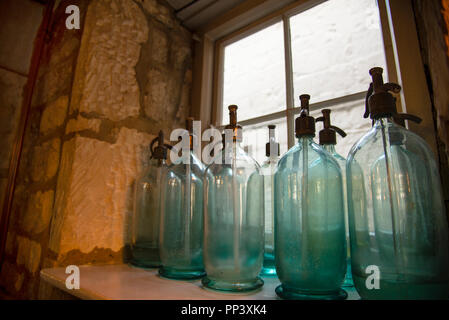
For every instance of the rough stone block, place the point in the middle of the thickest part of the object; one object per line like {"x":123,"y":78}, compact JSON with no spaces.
{"x":28,"y":254}
{"x":159,"y":50}
{"x":94,"y":193}
{"x":184,"y":104}
{"x":45,"y":160}
{"x":10,"y":278}
{"x":158,"y":96}
{"x":165,"y":16}
{"x":19,"y":282}
{"x":188,"y":77}
{"x":39,"y":212}
{"x":10,"y":243}
{"x":66,"y":48}
{"x":11,"y":89}
{"x":182,"y":55}
{"x":150,"y":6}
{"x":167,"y":98}
{"x":54,"y":114}
{"x":81,"y":123}
{"x":55,"y":82}
{"x":159,"y":12}
{"x":105,"y":82}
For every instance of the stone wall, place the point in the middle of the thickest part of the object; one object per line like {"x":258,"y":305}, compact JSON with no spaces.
{"x":19,"y":22}
{"x":11,"y":89}
{"x":102,"y":94}
{"x":28,"y":231}
{"x":432,"y":18}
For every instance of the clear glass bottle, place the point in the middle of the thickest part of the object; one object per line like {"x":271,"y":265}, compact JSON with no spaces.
{"x":181,"y":238}
{"x":309,"y":218}
{"x":233,"y":217}
{"x":146,"y":214}
{"x":272,"y":151}
{"x":398,"y":227}
{"x":328,"y":140}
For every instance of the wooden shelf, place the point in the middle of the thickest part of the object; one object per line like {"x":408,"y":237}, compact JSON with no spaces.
{"x":124,"y":282}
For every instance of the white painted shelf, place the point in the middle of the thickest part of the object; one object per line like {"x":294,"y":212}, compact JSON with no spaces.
{"x":124,"y":282}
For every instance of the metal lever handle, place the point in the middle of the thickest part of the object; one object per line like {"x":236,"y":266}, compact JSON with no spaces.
{"x":339,"y":131}
{"x":368,"y":94}
{"x":327,"y":123}
{"x":152,"y":146}
{"x":401,"y":117}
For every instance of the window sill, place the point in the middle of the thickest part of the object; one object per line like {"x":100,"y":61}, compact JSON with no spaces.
{"x":123,"y":282}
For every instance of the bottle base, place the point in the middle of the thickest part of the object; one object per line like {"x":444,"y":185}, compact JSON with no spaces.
{"x":145,"y":264}
{"x":402,"y":290}
{"x":289,"y":294}
{"x":348,"y":283}
{"x":178,"y":274}
{"x":144,"y":255}
{"x":228,"y":286}
{"x":268,"y":272}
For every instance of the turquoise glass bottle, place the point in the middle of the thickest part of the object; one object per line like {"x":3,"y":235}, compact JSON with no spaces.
{"x":181,"y":237}
{"x":268,"y":170}
{"x":398,"y":227}
{"x":328,"y":140}
{"x":233,"y":217}
{"x":309,"y":218}
{"x":147,"y":206}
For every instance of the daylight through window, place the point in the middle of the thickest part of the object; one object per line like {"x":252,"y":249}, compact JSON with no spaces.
{"x":325,"y":51}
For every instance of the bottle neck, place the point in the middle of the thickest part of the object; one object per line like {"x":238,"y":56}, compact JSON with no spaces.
{"x":393,"y":131}
{"x":231,"y":151}
{"x":383,"y":122}
{"x":272,"y":160}
{"x":305,"y":138}
{"x":187,"y":157}
{"x":233,"y":144}
{"x":329,"y":148}
{"x":156,"y":161}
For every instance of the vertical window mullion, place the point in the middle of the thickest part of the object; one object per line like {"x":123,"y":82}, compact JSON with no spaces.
{"x":218,"y":74}
{"x":289,"y":82}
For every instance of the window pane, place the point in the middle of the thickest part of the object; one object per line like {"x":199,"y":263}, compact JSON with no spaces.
{"x":256,"y":136}
{"x":334,"y":45}
{"x":254,"y":74}
{"x":349,"y":117}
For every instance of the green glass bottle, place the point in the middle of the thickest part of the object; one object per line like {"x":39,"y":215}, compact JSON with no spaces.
{"x":328,"y":140}
{"x":398,"y":227}
{"x":147,"y":204}
{"x":309,"y":218}
{"x":272,"y":151}
{"x":233,"y":217}
{"x":181,"y":238}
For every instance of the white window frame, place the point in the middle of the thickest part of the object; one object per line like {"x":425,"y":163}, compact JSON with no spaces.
{"x":402,"y":54}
